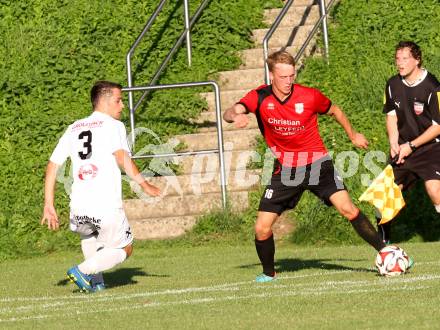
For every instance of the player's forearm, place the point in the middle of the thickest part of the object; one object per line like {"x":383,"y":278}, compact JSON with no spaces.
{"x":49,"y":183}
{"x":128,"y":166}
{"x":430,"y":134}
{"x":343,"y":121}
{"x":392,"y":130}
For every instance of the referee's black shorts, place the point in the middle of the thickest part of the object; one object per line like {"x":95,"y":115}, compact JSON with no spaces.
{"x":423,"y":164}
{"x":288,"y":184}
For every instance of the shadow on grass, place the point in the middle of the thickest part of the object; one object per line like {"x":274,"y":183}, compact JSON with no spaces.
{"x":120,"y":277}
{"x":293,"y":265}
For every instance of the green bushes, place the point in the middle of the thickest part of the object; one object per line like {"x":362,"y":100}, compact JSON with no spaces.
{"x":53,"y":51}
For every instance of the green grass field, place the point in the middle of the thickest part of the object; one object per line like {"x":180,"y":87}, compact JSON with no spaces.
{"x":212,"y":287}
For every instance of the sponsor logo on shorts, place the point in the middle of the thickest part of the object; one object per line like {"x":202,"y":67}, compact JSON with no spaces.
{"x":85,"y":219}
{"x":418,"y":108}
{"x":87,"y":172}
{"x":437,"y":172}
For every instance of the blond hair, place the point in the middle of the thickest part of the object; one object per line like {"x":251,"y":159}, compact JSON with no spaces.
{"x":280,"y":56}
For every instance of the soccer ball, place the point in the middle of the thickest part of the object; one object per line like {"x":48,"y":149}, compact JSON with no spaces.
{"x":392,"y":261}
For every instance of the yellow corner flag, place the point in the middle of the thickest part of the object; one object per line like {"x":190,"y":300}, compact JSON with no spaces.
{"x":385,"y":195}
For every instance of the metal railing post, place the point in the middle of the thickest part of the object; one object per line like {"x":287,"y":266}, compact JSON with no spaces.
{"x":269,"y":35}
{"x":323,"y":11}
{"x":219,"y":150}
{"x":188,"y":34}
{"x":218,"y":117}
{"x":128,"y":61}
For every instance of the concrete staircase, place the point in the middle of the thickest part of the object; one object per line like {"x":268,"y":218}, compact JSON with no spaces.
{"x":196,"y":190}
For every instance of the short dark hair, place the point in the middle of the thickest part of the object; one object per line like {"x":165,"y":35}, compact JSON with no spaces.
{"x":280,"y":56}
{"x":415,"y":50}
{"x":102,"y":88}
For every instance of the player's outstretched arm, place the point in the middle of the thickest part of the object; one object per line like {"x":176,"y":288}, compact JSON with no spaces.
{"x":49,"y":213}
{"x":356,"y":138}
{"x":237,"y":115}
{"x":126,"y":163}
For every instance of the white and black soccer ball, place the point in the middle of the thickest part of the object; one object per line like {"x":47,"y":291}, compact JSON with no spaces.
{"x":392,"y":261}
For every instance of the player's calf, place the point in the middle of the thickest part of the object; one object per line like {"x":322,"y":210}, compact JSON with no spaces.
{"x":365,"y":229}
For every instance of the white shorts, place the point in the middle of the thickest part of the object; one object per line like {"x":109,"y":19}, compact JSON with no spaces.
{"x":111,"y":227}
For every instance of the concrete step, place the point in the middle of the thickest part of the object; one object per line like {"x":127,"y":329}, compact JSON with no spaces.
{"x":207,"y":122}
{"x":227,"y":98}
{"x":283,"y":36}
{"x":254,"y":58}
{"x":296,"y":15}
{"x":204,"y":141}
{"x":177,"y":206}
{"x":235,"y":160}
{"x":163,"y":227}
{"x":202,"y":183}
{"x":241,"y":79}
{"x":302,"y":2}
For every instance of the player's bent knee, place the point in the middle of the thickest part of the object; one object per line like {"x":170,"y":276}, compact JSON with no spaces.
{"x":128,"y":250}
{"x":349,"y":211}
{"x":437,"y":208}
{"x":262,"y":232}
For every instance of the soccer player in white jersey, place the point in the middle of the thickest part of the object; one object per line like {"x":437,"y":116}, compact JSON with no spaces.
{"x":97,"y":147}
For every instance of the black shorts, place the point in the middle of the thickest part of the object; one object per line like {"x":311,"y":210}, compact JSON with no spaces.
{"x":423,"y":164}
{"x":288,"y":184}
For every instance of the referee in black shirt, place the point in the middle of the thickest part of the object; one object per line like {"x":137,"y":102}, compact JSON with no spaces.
{"x":411,"y":105}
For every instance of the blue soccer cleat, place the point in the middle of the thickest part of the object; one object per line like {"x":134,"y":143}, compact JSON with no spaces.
{"x":99,"y":287}
{"x":83,"y":281}
{"x":263,"y":278}
{"x":97,"y":282}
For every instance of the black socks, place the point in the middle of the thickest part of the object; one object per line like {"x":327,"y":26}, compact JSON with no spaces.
{"x":266,"y":253}
{"x":365,"y":229}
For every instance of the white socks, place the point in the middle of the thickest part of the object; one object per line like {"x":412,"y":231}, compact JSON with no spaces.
{"x":102,"y":260}
{"x":88,"y":245}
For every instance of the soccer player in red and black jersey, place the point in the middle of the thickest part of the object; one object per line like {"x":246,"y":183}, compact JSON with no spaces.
{"x":287,"y":117}
{"x":412,"y":99}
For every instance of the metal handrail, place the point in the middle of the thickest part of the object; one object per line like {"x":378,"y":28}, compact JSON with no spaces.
{"x":269,"y":34}
{"x":219,"y":150}
{"x":323,"y":19}
{"x":185,"y":35}
{"x":324,"y":14}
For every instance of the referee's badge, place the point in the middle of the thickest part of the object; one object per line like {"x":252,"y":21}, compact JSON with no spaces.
{"x":418,"y":108}
{"x":299,"y":108}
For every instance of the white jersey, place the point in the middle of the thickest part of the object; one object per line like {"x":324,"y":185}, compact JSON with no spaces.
{"x":90,"y":143}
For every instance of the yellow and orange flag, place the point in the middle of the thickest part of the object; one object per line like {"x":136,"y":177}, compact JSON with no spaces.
{"x":385,"y":195}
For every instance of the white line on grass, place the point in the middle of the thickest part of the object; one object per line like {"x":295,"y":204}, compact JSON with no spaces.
{"x":194,"y":301}
{"x":316,"y":289}
{"x":168,"y":291}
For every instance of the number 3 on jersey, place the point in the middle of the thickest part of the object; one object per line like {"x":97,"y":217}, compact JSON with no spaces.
{"x":87,"y":152}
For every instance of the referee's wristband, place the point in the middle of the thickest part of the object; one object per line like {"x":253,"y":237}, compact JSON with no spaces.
{"x":412,"y":146}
